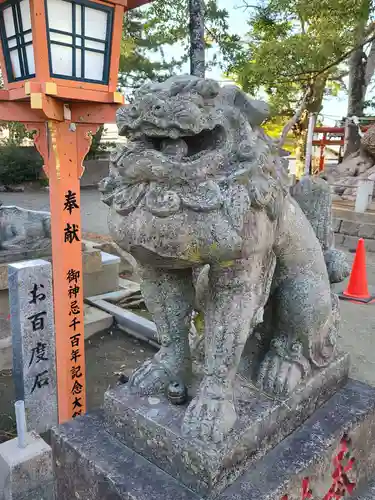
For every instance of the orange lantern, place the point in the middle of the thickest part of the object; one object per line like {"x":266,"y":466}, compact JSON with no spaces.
{"x":60,"y":61}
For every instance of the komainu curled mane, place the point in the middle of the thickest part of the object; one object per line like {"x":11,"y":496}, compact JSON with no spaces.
{"x":197,"y":183}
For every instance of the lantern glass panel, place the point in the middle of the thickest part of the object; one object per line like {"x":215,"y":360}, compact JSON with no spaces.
{"x":93,"y":65}
{"x":79,"y":46}
{"x":16,"y":39}
{"x":95,"y":23}
{"x":30,"y":58}
{"x":25,"y":15}
{"x":61,"y":60}
{"x":10,"y":30}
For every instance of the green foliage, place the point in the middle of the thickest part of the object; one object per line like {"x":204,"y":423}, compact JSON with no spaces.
{"x":19,"y":164}
{"x":294,"y":45}
{"x":99,"y":149}
{"x":199,"y":323}
{"x":370,"y":106}
{"x":17,"y":133}
{"x":151,"y":32}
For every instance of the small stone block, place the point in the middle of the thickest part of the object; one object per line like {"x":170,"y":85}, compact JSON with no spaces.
{"x":33,"y":339}
{"x":152,"y":428}
{"x":91,"y":261}
{"x":24,"y":470}
{"x":104,"y":281}
{"x":96,"y":321}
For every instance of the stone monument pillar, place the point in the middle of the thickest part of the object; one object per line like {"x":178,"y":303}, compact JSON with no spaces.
{"x":33,"y":339}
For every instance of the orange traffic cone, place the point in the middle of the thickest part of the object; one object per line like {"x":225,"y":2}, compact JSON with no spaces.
{"x":357,"y":289}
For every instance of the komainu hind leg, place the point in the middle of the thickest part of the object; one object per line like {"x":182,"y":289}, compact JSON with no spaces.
{"x":305,"y":325}
{"x":283,"y":367}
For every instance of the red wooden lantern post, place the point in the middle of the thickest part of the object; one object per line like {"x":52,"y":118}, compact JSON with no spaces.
{"x":59,"y":61}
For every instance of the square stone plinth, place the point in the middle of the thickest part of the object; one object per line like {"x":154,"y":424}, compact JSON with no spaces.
{"x":25,"y":471}
{"x":151,"y":426}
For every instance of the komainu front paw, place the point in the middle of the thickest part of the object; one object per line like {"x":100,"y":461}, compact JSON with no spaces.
{"x":150,"y":378}
{"x":283,"y":368}
{"x":211,"y":414}
{"x":209,"y":419}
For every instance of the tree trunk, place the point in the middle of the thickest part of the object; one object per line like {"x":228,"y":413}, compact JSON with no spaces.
{"x":357,"y":80}
{"x":313,"y":105}
{"x":357,"y":85}
{"x":356,"y":100}
{"x":300,"y":133}
{"x":197,"y":43}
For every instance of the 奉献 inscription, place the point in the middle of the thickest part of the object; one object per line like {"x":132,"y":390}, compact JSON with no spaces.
{"x":74,"y":314}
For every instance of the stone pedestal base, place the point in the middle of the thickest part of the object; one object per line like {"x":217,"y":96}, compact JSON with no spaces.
{"x":151,"y":426}
{"x":26,"y":473}
{"x":90,"y":464}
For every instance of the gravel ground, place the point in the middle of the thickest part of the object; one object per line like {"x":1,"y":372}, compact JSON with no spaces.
{"x":357,"y":333}
{"x":107,"y":354}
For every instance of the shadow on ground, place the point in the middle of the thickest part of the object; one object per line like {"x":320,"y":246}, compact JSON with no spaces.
{"x":107,"y":354}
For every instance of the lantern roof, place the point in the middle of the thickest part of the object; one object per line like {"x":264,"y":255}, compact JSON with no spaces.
{"x":50,"y":49}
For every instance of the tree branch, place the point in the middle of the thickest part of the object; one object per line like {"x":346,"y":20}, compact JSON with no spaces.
{"x":288,"y":127}
{"x":314,"y":73}
{"x":246,"y":6}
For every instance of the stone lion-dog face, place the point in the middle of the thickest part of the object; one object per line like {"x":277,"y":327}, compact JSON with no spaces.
{"x":195,"y":157}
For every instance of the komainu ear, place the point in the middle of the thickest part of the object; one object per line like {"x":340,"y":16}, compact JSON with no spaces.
{"x":255,"y":111}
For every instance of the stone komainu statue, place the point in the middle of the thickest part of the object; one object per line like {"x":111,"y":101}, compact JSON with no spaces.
{"x":200,"y":183}
{"x":23,"y":230}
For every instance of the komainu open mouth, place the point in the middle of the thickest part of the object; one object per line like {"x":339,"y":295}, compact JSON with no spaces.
{"x":207,"y":140}
{"x":179,"y":144}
